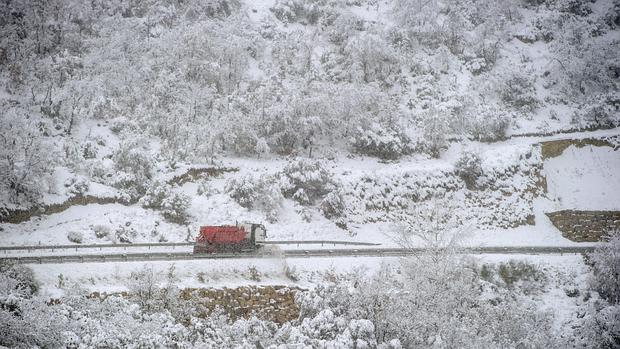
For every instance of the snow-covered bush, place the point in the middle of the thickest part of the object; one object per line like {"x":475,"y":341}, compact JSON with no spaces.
{"x":333,"y":206}
{"x":89,"y":150}
{"x":172,"y":205}
{"x":303,"y":11}
{"x":75,"y":236}
{"x":135,"y":165}
{"x":388,"y":196}
{"x":601,"y":111}
{"x":287,"y":11}
{"x":306,"y":180}
{"x":22,"y":279}
{"x":372,"y":59}
{"x":144,"y":287}
{"x":124,"y":234}
{"x":261,"y":193}
{"x":378,"y":141}
{"x":77,"y":186}
{"x":513,"y":274}
{"x":101,"y":231}
{"x":243,"y":190}
{"x":25,"y":161}
{"x":576,"y":7}
{"x":606,"y":268}
{"x":519,"y":92}
{"x":612,"y":17}
{"x":469,"y":168}
{"x":435,"y":132}
{"x":155,"y":195}
{"x":205,"y":188}
{"x":488,"y":124}
{"x":601,"y":328}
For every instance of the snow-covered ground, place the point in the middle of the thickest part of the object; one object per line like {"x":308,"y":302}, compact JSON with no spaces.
{"x":585,"y":178}
{"x":112,"y":276}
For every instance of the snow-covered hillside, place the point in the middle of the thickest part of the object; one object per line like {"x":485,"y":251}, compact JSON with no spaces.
{"x":412,"y":123}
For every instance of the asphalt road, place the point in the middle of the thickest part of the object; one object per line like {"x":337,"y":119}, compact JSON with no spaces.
{"x":275,"y":253}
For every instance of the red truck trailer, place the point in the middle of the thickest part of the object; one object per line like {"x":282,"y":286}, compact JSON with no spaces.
{"x":244,"y":237}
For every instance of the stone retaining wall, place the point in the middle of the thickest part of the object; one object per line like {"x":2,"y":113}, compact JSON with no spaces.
{"x":585,"y":226}
{"x":22,"y":215}
{"x":273,"y":303}
{"x":552,"y":149}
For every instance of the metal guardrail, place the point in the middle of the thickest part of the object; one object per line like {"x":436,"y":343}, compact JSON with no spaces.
{"x":318,"y":242}
{"x":379,"y":252}
{"x":85,"y":246}
{"x":174,"y":244}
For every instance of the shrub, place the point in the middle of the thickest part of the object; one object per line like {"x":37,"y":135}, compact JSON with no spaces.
{"x":306,"y":180}
{"x":101,"y":231}
{"x":519,"y":92}
{"x":606,"y":268}
{"x":306,"y":12}
{"x":612,"y":17}
{"x":488,"y":124}
{"x":174,"y":208}
{"x":434,"y":133}
{"x":89,"y":150}
{"x":135,"y":166}
{"x":77,"y":186}
{"x":254,"y":274}
{"x":243,"y":190}
{"x":291,"y":273}
{"x":602,"y":328}
{"x":23,"y":275}
{"x":469,"y":168}
{"x":514,"y":274}
{"x":262,"y":193}
{"x":576,"y":7}
{"x":172,"y":205}
{"x":378,"y":141}
{"x":75,"y":236}
{"x":125,"y":234}
{"x":332,"y":206}
{"x":206,"y":189}
{"x":602,"y":111}
{"x":25,"y":162}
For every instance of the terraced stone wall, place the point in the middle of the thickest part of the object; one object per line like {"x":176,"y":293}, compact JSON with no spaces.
{"x":273,"y":303}
{"x":585,"y":226}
